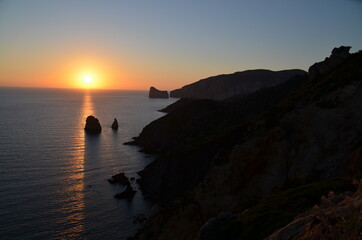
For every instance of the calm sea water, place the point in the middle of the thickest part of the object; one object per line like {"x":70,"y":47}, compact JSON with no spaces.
{"x":53,"y":175}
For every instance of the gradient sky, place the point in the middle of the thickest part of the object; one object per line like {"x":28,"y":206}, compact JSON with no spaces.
{"x":133,"y":44}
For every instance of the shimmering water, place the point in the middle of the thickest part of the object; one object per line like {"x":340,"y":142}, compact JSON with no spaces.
{"x":53,"y":175}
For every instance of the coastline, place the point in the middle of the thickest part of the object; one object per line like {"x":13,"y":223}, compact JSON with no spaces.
{"x":221,"y":157}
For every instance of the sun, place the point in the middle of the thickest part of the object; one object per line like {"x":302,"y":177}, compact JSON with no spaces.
{"x":88,"y":79}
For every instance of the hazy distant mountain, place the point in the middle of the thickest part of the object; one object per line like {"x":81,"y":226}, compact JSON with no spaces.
{"x":239,"y":83}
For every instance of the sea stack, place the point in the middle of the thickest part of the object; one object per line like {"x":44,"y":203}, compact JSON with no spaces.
{"x":115,"y":124}
{"x":155,"y":93}
{"x":92,"y":125}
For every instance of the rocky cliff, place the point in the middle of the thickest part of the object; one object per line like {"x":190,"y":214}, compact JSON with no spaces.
{"x":155,"y":93}
{"x":194,"y":133}
{"x":229,"y":85}
{"x":92,"y":125}
{"x":338,"y":56}
{"x":243,"y":167}
{"x":338,"y":216}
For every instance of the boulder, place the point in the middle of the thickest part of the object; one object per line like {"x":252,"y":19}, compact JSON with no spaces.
{"x":155,"y":93}
{"x":115,"y":124}
{"x":128,"y":193}
{"x":92,"y":125}
{"x":119,"y":178}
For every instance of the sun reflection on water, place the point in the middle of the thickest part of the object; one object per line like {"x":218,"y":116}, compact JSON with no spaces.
{"x":74,"y":203}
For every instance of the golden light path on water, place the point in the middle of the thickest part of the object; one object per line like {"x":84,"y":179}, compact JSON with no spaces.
{"x":74,"y":206}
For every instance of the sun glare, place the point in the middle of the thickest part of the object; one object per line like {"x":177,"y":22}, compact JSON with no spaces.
{"x":87,"y":79}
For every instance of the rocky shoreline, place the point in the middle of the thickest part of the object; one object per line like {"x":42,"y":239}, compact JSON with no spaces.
{"x":228,"y":168}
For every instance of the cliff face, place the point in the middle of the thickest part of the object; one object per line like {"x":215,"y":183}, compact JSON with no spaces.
{"x":194,"y":133}
{"x":274,"y":141}
{"x":229,"y":85}
{"x":155,"y":93}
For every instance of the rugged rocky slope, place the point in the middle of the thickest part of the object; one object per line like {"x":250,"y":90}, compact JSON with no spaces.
{"x":190,"y":137}
{"x":229,"y":85}
{"x":337,"y":217}
{"x":245,"y":163}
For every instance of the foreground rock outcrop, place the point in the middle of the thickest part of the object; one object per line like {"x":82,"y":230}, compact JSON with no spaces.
{"x":338,"y":56}
{"x":229,"y":85}
{"x":155,"y":93}
{"x":92,"y":125}
{"x":336,"y":217}
{"x":246,"y":166}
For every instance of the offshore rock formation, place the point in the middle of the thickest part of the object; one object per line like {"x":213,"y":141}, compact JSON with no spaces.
{"x":155,"y":93}
{"x":229,"y":85}
{"x":263,"y":158}
{"x":128,"y":193}
{"x":115,"y":124}
{"x":92,"y":125}
{"x":121,"y":178}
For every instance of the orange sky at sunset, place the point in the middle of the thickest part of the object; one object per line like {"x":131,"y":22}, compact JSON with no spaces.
{"x":70,"y":73}
{"x":167,"y":44}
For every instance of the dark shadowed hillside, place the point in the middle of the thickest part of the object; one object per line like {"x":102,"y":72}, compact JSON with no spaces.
{"x":243,"y":167}
{"x":190,"y":137}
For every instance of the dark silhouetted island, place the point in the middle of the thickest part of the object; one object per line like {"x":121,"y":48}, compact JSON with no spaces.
{"x":253,"y":166}
{"x":92,"y":125}
{"x":155,"y":93}
{"x":115,"y":124}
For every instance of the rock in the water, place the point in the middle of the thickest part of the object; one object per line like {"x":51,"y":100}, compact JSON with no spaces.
{"x":155,"y":93}
{"x":128,"y":193}
{"x":115,"y":124}
{"x":92,"y":125}
{"x":119,"y":178}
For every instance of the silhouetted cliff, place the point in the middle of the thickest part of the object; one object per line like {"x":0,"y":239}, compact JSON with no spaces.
{"x":243,"y":167}
{"x":229,"y":85}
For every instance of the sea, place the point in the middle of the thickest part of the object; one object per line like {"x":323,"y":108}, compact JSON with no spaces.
{"x":53,"y":176}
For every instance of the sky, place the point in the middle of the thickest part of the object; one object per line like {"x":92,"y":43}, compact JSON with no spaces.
{"x":135,"y":44}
